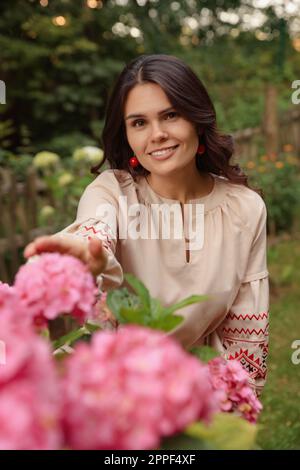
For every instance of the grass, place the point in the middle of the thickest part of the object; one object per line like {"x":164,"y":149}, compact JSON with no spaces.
{"x":280,"y":420}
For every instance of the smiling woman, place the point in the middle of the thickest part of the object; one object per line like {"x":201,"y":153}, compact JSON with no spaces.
{"x":164,"y":150}
{"x":165,"y":143}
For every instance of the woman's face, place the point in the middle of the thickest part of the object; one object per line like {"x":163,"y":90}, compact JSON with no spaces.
{"x":155,"y":126}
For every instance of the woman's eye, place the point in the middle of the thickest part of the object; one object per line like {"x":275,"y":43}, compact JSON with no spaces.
{"x":134,"y":124}
{"x":140,"y":122}
{"x":172,"y":114}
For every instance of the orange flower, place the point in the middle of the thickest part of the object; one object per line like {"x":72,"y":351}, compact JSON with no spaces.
{"x":288,"y":148}
{"x":250,"y":165}
{"x":273,"y":156}
{"x":279,"y":165}
{"x":264,"y":158}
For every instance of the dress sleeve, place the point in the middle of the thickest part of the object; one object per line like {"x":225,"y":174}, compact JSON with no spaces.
{"x":244,"y":332}
{"x":97,"y":217}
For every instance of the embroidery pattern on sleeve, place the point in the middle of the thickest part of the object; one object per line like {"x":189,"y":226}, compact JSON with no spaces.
{"x":100,"y":229}
{"x":245,"y":338}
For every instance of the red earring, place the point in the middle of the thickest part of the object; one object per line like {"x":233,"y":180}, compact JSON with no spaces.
{"x":201,"y":149}
{"x":133,"y":162}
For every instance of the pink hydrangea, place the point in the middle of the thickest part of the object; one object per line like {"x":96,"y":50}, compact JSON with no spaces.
{"x":8,"y":299}
{"x":128,"y":389}
{"x":230,"y":378}
{"x":102,"y":315}
{"x":55,"y":284}
{"x":29,"y":390}
{"x":11,"y":306}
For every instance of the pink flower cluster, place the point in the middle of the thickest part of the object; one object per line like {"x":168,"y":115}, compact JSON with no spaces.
{"x":30,"y":397}
{"x":29,"y":389}
{"x":231,"y":379}
{"x":7,"y":298}
{"x":128,"y":389}
{"x":103,"y":315}
{"x":55,"y":284}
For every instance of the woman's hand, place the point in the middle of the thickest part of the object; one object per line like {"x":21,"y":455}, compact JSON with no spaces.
{"x":90,"y":252}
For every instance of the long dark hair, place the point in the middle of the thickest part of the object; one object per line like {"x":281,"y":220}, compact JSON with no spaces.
{"x":189,"y":97}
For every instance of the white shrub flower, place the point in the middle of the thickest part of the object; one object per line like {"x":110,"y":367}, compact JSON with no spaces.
{"x":89,"y":154}
{"x":45,"y":159}
{"x":65,"y":179}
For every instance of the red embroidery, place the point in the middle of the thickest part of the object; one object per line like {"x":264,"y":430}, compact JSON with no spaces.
{"x":256,"y":367}
{"x":90,"y":228}
{"x":101,"y":232}
{"x":261,"y":316}
{"x":246,"y":331}
{"x":253,"y":355}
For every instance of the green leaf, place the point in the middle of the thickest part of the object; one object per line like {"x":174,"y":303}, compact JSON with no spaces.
{"x":187,"y":301}
{"x":226,"y":432}
{"x":70,"y":338}
{"x":118,"y":298}
{"x":142,"y":309}
{"x":204,"y":353}
{"x":156,"y":308}
{"x":127,"y":307}
{"x":166,"y":323}
{"x":92,"y":327}
{"x":133,"y":315}
{"x":140,"y":289}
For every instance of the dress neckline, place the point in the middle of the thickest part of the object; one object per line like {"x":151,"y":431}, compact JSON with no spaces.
{"x":210,"y":201}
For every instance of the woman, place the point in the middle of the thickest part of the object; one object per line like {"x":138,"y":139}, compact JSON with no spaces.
{"x":164,"y":150}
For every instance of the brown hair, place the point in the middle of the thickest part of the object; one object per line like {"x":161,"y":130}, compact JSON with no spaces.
{"x":189,"y":97}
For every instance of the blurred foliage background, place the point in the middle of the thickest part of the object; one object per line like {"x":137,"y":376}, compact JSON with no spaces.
{"x":59,"y":60}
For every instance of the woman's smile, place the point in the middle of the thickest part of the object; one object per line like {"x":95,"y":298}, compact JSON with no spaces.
{"x":164,"y":154}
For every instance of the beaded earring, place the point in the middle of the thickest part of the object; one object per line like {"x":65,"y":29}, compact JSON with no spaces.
{"x":133,"y":162}
{"x":201,"y":149}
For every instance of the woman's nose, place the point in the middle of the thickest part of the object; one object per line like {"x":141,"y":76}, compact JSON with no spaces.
{"x":158,"y":133}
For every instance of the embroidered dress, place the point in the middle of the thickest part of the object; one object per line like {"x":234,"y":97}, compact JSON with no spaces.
{"x":228,"y":264}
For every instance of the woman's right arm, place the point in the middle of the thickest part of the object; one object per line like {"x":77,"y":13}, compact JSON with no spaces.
{"x":93,"y":236}
{"x":90,"y":252}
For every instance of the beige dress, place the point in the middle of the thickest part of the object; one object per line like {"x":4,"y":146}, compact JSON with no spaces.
{"x":229,"y":266}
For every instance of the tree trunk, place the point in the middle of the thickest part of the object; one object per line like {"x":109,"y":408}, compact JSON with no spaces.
{"x":271,"y":122}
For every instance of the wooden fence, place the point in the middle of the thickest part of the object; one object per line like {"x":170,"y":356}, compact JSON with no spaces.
{"x":21,"y":202}
{"x":250,"y":142}
{"x":19,"y":205}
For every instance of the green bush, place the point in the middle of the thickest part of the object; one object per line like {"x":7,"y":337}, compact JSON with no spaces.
{"x":279,"y":178}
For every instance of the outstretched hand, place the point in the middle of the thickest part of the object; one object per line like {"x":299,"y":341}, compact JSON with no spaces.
{"x":89,"y":252}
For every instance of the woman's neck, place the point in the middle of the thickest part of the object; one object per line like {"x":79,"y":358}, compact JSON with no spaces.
{"x":182,"y":186}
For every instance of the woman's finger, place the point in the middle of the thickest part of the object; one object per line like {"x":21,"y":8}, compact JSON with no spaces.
{"x":97,"y":256}
{"x":31,"y":248}
{"x":95,"y":247}
{"x":57,"y":244}
{"x":91,"y":253}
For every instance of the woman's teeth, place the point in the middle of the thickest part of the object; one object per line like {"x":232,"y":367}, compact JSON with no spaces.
{"x":163,"y":152}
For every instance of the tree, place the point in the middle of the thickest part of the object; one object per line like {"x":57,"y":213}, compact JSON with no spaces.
{"x":59,"y":60}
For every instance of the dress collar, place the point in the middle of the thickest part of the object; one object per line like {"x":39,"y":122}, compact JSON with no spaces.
{"x":210,"y":201}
